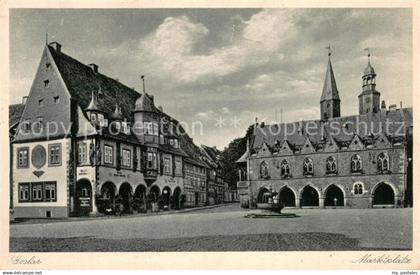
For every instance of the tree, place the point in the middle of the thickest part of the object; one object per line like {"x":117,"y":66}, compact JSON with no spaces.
{"x":229,"y":156}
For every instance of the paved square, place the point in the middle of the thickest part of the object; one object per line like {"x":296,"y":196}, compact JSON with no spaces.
{"x":223,"y":229}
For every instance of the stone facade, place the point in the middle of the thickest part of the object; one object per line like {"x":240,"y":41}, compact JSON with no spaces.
{"x":333,"y":162}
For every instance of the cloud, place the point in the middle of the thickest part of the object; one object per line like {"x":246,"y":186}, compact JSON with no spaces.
{"x":171,"y":50}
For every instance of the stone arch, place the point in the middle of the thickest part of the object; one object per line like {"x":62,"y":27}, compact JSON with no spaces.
{"x":107,"y":193}
{"x":261,"y":192}
{"x":125,"y":195}
{"x":288,"y":196}
{"x":334,"y":195}
{"x":309,"y":196}
{"x":154,"y":193}
{"x":84,"y":197}
{"x":140,"y":198}
{"x":166,"y":197}
{"x":176,"y":198}
{"x":384,"y":193}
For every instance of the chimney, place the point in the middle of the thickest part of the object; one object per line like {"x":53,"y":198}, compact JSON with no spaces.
{"x":56,"y":46}
{"x":94,"y":67}
{"x":24,"y":99}
{"x":392,"y":107}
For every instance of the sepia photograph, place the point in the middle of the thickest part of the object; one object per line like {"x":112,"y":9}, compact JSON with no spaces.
{"x":199,"y":129}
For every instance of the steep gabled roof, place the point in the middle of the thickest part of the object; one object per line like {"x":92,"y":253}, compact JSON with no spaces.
{"x":342,"y":129}
{"x":81,"y":80}
{"x":15,"y":113}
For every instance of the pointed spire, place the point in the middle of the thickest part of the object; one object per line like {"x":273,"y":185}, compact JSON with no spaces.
{"x":329,"y":91}
{"x":117,"y":114}
{"x":93,"y":105}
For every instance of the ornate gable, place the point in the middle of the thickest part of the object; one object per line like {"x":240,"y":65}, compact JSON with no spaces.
{"x":382,"y":141}
{"x":331,"y":145}
{"x":356,"y":143}
{"x":307,"y":147}
{"x":264,"y":151}
{"x":285,"y":149}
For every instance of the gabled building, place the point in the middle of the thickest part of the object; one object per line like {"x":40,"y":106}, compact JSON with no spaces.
{"x":357,"y":161}
{"x":85,"y":143}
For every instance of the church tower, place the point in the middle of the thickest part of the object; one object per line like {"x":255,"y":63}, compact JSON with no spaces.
{"x":369,"y":99}
{"x":330,"y":100}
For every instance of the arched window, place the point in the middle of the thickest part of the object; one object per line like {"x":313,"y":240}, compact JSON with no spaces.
{"x":356,"y":163}
{"x":285,"y":168}
{"x":383,"y":162}
{"x":358,"y":189}
{"x":308,"y":167}
{"x":264,"y":170}
{"x":331,"y":165}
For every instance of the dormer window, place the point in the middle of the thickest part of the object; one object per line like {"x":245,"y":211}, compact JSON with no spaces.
{"x":46,"y":83}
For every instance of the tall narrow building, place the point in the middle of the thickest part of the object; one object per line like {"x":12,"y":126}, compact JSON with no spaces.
{"x":369,"y":99}
{"x":330,"y":100}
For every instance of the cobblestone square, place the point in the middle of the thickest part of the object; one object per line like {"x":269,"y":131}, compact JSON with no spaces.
{"x":223,"y":228}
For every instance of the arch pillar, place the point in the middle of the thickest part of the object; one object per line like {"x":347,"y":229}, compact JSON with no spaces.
{"x":94,"y":206}
{"x":297,"y":203}
{"x":321,"y":202}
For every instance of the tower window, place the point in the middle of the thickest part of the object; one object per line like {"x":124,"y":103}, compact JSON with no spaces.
{"x":41,"y":102}
{"x":56,"y":99}
{"x":46,"y":83}
{"x":48,"y":64}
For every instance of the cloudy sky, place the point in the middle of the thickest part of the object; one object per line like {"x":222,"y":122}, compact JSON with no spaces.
{"x":224,"y":67}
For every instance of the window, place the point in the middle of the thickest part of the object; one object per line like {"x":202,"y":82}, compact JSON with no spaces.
{"x":50,"y":194}
{"x":56,"y":99}
{"x":155,"y":129}
{"x":37,"y":191}
{"x":48,"y":64}
{"x":167,"y":165}
{"x":108,"y":152}
{"x":383,"y":162}
{"x":367,"y":100}
{"x":54,"y":154}
{"x":356,"y":163}
{"x":151,"y":160}
{"x":358,"y":189}
{"x":24,"y":192}
{"x":178,"y":166}
{"x":308,"y":167}
{"x":176,"y":145}
{"x":331,"y":165}
{"x":82,"y":149}
{"x":285,"y":168}
{"x":126,"y":158}
{"x":264,"y":173}
{"x":84,"y":192}
{"x":41,"y":102}
{"x":22,"y":157}
{"x":148,"y":128}
{"x":46,"y":83}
